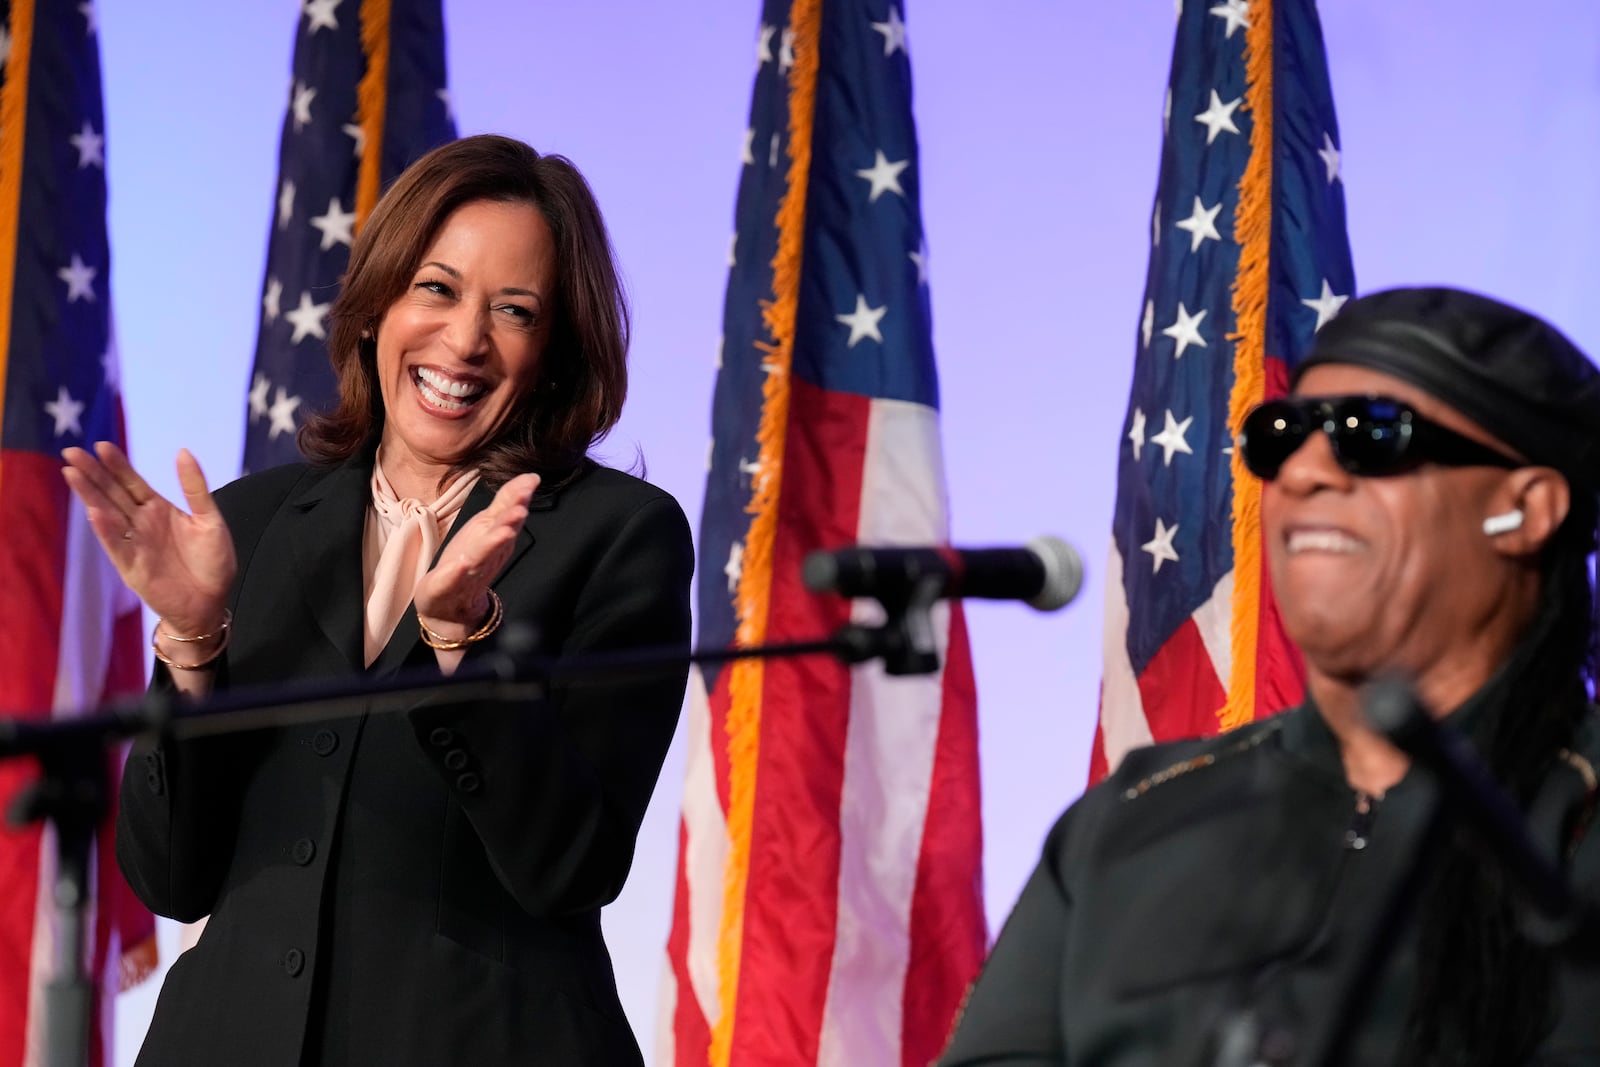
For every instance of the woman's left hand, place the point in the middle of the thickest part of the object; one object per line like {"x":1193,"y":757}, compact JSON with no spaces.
{"x":452,"y":599}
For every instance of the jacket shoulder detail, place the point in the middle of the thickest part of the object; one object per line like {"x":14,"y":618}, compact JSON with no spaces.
{"x":1235,"y":746}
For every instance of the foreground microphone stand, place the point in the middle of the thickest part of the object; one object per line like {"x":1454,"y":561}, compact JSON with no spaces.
{"x":1552,"y":914}
{"x":72,"y":793}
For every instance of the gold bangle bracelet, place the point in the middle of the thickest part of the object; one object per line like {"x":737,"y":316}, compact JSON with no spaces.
{"x":227,"y":621}
{"x":224,"y":631}
{"x":442,"y":644}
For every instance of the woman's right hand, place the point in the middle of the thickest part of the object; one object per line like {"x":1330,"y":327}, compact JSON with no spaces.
{"x":180,"y":564}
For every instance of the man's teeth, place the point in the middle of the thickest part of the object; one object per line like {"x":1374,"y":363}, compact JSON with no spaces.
{"x":446,"y":392}
{"x":1322,"y":541}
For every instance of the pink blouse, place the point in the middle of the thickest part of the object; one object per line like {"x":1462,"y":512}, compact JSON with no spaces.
{"x":397,"y":549}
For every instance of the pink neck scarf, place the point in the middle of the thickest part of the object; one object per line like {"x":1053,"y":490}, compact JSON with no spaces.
{"x":398,"y":548}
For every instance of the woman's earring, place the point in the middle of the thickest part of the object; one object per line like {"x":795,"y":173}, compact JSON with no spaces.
{"x":1495,"y":525}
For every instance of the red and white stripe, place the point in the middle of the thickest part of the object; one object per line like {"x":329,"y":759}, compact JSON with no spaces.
{"x":74,"y":642}
{"x":863,"y":916}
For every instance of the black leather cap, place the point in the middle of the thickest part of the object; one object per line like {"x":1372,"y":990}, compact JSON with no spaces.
{"x":1507,"y":370}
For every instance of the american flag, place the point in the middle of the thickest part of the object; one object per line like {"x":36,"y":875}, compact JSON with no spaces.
{"x":71,"y":638}
{"x":367,"y":98}
{"x":1248,"y":259}
{"x":829,"y":895}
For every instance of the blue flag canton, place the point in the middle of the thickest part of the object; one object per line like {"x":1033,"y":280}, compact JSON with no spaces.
{"x":1173,"y":520}
{"x":62,"y":383}
{"x":314,"y":216}
{"x":863,"y":321}
{"x":1312,"y":274}
{"x":742,"y":365}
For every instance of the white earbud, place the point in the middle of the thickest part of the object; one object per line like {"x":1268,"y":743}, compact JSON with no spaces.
{"x":1495,"y":525}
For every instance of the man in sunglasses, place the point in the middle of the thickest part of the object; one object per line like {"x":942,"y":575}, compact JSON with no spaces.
{"x":1432,"y":488}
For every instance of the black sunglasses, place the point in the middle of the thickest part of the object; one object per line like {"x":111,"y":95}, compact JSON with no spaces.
{"x":1370,"y":435}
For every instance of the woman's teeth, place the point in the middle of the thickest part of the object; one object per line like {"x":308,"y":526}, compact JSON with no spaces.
{"x":446,"y":392}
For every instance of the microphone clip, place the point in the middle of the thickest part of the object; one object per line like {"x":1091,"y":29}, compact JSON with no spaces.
{"x":905,"y":640}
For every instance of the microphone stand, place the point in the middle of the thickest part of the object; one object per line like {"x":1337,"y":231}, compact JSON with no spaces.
{"x":72,"y":793}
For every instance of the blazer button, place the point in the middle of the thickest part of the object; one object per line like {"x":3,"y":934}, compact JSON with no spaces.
{"x":442,"y":737}
{"x":153,"y":780}
{"x":323,"y":742}
{"x":294,"y":961}
{"x":456,"y":759}
{"x":304,"y":851}
{"x":469,"y":783}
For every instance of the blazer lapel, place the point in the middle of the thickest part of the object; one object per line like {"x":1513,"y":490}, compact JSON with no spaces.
{"x":325,"y":526}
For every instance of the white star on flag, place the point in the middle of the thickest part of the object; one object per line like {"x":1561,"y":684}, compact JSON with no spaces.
{"x":1330,"y":158}
{"x":884,"y":176}
{"x":1201,"y":224}
{"x":1136,"y":433}
{"x":91,"y":18}
{"x":1166,"y":111}
{"x":1148,"y":324}
{"x":1236,"y":13}
{"x":320,"y":12}
{"x":1171,"y":438}
{"x":720,"y":340}
{"x":1218,"y":116}
{"x":747,"y":154}
{"x":258,"y":397}
{"x":894,"y":33}
{"x":1160,"y":546}
{"x":307,"y":319}
{"x":449,"y":105}
{"x":5,"y":46}
{"x":734,"y":567}
{"x":920,"y":258}
{"x":65,"y":411}
{"x":354,"y":131}
{"x":772,"y":152}
{"x":91,"y":146}
{"x":337,"y":226}
{"x":1326,"y":305}
{"x":270,"y":299}
{"x":786,"y":51}
{"x":79,"y":278}
{"x":863,"y":321}
{"x":282,"y":414}
{"x":110,"y":368}
{"x":301,"y":105}
{"x":285,"y":204}
{"x":1186,"y":330}
{"x":1155,"y":225}
{"x":764,"y":45}
{"x":733,"y":249}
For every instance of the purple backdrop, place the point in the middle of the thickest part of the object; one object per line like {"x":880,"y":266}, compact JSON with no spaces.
{"x":1469,"y":138}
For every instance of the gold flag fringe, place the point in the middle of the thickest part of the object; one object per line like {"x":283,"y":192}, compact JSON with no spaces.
{"x":752,"y":600}
{"x":371,"y":103}
{"x":13,"y":129}
{"x":1252,"y":229}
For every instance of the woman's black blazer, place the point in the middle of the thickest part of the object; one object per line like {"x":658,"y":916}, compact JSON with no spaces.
{"x":422,"y":887}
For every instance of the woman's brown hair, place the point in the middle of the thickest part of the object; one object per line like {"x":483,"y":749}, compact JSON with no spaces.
{"x":583,"y":378}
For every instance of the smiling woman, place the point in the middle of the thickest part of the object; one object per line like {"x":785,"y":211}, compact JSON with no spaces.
{"x":424,"y":886}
